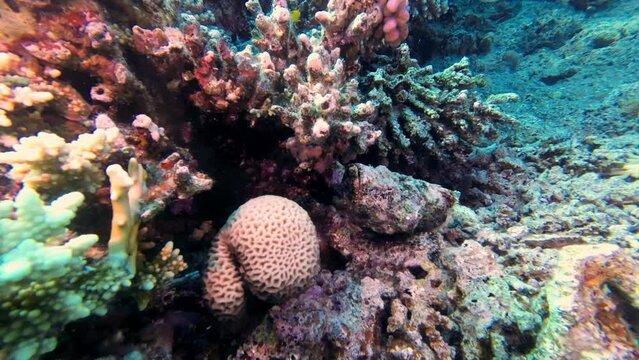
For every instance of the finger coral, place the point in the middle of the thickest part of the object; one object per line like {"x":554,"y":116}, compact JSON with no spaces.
{"x":396,"y":16}
{"x":47,"y":163}
{"x":268,"y":244}
{"x":47,"y":281}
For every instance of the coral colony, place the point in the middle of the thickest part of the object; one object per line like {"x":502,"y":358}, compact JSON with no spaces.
{"x":319,"y":179}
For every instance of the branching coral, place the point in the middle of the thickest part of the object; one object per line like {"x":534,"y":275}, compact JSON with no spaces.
{"x":26,"y":89}
{"x":232,"y":83}
{"x":45,"y":278}
{"x":12,"y":98}
{"x":430,"y":9}
{"x":350,"y":24}
{"x":70,"y":42}
{"x":431,"y":117}
{"x":322,"y":106}
{"x":48,"y":281}
{"x":127,"y":189}
{"x":315,"y":95}
{"x":174,"y":178}
{"x":47,"y":163}
{"x":396,"y":16}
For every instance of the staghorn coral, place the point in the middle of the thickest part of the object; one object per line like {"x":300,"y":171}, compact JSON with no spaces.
{"x":430,"y":117}
{"x":47,"y":163}
{"x":275,"y":243}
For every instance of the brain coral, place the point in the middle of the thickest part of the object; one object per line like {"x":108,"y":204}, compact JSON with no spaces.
{"x":269,"y":245}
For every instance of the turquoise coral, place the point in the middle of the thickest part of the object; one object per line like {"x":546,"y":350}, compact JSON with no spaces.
{"x":46,"y":280}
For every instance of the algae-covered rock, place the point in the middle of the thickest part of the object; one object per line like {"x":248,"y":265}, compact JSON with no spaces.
{"x":391,"y":203}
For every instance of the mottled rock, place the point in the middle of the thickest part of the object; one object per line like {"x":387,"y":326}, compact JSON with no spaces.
{"x":493,"y":309}
{"x":339,"y":317}
{"x":590,"y":299}
{"x":391,"y":203}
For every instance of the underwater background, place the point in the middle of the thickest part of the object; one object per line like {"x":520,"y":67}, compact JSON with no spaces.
{"x":315,"y":179}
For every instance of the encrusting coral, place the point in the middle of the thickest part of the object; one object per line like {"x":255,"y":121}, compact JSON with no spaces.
{"x":586,"y":295}
{"x":274,"y":242}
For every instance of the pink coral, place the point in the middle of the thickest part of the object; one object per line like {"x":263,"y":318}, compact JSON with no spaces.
{"x":396,"y":16}
{"x":271,"y":245}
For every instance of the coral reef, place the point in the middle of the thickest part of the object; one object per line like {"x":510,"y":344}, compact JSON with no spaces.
{"x":495,"y":311}
{"x":395,"y":25}
{"x":49,"y":281}
{"x":330,"y":312}
{"x":276,"y":245}
{"x":586,"y":295}
{"x":396,"y":212}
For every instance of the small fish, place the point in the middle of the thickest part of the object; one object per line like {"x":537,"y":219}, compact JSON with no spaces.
{"x":295,"y":15}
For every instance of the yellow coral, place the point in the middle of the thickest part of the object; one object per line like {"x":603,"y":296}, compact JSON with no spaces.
{"x":47,"y":163}
{"x":127,"y":189}
{"x":23,"y":96}
{"x":631,"y":168}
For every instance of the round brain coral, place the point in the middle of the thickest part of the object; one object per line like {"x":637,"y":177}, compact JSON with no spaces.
{"x":269,"y":245}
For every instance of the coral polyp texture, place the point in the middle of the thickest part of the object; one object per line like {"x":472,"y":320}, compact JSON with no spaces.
{"x":270,"y":245}
{"x":47,"y":163}
{"x":396,"y":16}
{"x":48,"y":281}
